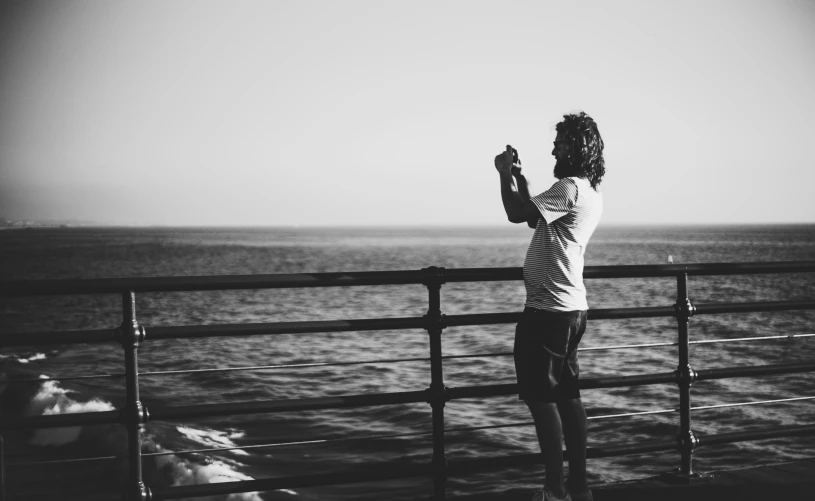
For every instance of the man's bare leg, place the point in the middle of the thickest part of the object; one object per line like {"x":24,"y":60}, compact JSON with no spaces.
{"x":550,"y":432}
{"x":575,"y":429}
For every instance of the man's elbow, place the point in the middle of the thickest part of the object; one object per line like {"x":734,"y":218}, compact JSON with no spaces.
{"x":516,"y":218}
{"x":531,"y":222}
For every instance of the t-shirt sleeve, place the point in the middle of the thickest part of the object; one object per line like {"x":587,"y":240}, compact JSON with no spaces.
{"x":557,"y":201}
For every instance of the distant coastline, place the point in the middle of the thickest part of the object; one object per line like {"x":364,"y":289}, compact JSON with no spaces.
{"x":21,"y":224}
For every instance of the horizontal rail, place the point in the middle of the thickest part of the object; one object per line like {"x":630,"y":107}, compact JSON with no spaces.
{"x":360,"y":278}
{"x":60,"y":420}
{"x":697,"y":269}
{"x":373,"y":324}
{"x":406,"y":397}
{"x":750,"y":338}
{"x":278,"y":328}
{"x":58,"y":337}
{"x":593,"y":314}
{"x":496,"y":390}
{"x":752,"y":307}
{"x":64,"y":461}
{"x":227,"y":449}
{"x":209,"y":282}
{"x":466,"y":466}
{"x":744,"y":404}
{"x":307,"y":327}
{"x":219,"y":409}
{"x":702,"y":341}
{"x":226,"y":369}
{"x":232,"y":369}
{"x":299,"y":404}
{"x":644,"y":345}
{"x":638,"y":380}
{"x":741,"y":436}
{"x":754,"y":370}
{"x":219,"y":330}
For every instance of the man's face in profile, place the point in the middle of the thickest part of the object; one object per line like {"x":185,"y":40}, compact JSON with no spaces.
{"x":563,"y":165}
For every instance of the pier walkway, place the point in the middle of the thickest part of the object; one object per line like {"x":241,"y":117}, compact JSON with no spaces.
{"x":776,"y":482}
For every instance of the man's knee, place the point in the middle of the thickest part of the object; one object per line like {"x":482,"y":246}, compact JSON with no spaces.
{"x":557,"y":395}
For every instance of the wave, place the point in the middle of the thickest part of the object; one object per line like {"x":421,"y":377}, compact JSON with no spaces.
{"x":51,"y":399}
{"x":109,"y":440}
{"x":24,"y":357}
{"x":213,"y":438}
{"x":184,"y":472}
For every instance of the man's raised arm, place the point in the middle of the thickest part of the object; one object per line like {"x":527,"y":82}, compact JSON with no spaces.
{"x":513,"y":203}
{"x":531,"y":212}
{"x":515,"y":191}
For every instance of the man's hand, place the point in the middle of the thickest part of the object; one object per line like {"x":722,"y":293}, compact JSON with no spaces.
{"x":503,"y":161}
{"x":501,"y":164}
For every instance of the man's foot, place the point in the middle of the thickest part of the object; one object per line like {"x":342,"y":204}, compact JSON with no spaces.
{"x":581,"y":496}
{"x":546,"y":495}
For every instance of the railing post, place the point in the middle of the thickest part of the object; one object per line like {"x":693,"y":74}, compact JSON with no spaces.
{"x":134,"y":414}
{"x":2,"y":470}
{"x":437,"y":393}
{"x":685,"y":376}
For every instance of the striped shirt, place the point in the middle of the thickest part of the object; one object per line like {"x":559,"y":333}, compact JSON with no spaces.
{"x":553,"y":270}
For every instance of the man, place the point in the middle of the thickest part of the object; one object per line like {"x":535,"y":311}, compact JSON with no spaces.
{"x":554,"y":318}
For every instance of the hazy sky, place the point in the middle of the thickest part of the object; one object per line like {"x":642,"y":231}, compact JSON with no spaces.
{"x":373,"y":112}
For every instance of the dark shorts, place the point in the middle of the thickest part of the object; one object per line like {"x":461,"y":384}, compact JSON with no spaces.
{"x":546,"y":354}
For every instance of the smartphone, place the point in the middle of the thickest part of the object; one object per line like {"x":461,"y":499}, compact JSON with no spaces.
{"x":515,"y":158}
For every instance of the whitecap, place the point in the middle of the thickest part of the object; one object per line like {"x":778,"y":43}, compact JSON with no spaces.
{"x":23,"y":358}
{"x":52,"y":399}
{"x":214,"y":471}
{"x":213,"y":438}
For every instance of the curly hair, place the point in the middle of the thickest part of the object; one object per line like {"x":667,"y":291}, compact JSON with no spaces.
{"x":581,"y":133}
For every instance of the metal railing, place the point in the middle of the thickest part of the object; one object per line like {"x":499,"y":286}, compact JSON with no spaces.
{"x":130,"y":334}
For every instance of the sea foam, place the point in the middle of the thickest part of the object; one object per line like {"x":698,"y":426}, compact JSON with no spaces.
{"x":213,"y":471}
{"x":23,"y":357}
{"x":213,"y":438}
{"x":52,"y":399}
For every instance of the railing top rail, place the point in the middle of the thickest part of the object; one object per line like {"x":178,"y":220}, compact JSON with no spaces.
{"x":361,"y":278}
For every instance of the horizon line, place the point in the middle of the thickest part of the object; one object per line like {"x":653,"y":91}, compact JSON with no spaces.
{"x":45,"y":224}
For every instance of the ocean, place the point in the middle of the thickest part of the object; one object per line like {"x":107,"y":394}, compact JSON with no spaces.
{"x":324,"y":441}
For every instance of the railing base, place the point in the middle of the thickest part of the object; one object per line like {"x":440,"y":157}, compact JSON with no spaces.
{"x":676,"y":477}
